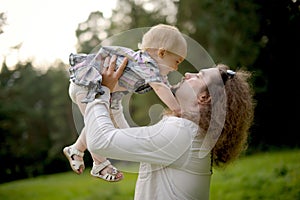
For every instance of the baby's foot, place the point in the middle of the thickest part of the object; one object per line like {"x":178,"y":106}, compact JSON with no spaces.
{"x":75,"y":158}
{"x":107,"y":172}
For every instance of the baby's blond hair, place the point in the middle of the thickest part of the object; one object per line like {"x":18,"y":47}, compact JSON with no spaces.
{"x":166,"y":37}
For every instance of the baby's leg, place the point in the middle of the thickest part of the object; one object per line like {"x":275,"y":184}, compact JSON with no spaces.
{"x":80,"y":143}
{"x":102,"y":168}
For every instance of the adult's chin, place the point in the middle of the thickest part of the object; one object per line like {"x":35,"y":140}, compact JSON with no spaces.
{"x":185,"y":94}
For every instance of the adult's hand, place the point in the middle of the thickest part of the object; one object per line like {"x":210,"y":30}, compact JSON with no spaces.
{"x":110,"y":76}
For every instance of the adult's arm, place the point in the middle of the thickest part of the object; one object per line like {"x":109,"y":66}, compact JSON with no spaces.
{"x":162,"y":143}
{"x":119,"y":117}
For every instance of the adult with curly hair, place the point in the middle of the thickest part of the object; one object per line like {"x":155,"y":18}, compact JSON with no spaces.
{"x":178,"y":153}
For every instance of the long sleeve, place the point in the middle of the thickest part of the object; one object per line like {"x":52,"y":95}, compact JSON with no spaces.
{"x":162,"y":143}
{"x":119,"y":117}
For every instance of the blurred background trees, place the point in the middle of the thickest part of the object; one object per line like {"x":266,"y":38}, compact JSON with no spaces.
{"x":36,"y":118}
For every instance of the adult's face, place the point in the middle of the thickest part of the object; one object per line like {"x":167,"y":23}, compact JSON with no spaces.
{"x":188,"y":90}
{"x":192,"y":86}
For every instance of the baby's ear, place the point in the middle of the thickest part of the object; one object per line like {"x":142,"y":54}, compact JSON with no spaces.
{"x":204,"y":98}
{"x":161,"y":52}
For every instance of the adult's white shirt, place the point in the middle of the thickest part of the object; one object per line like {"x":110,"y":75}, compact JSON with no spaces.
{"x":168,"y":152}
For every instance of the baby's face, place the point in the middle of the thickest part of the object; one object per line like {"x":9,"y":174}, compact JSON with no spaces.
{"x":169,"y":62}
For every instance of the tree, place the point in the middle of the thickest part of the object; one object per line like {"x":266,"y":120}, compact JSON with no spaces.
{"x":35,"y":121}
{"x":226,"y":29}
{"x":129,"y":14}
{"x":2,"y":21}
{"x":277,"y":111}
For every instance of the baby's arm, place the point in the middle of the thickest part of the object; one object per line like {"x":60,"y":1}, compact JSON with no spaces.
{"x":165,"y":94}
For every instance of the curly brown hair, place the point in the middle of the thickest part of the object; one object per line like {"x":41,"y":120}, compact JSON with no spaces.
{"x":233,"y":139}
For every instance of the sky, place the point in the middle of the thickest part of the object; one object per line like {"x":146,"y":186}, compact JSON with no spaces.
{"x":46,"y":29}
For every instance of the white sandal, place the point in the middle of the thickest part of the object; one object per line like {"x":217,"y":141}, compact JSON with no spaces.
{"x":110,"y":177}
{"x":76,"y":165}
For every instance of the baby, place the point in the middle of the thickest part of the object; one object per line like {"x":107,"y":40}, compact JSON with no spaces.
{"x":162,"y":49}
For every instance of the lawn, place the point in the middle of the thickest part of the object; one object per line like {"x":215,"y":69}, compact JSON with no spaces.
{"x":264,"y":176}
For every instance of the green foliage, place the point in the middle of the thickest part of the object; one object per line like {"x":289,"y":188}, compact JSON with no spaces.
{"x":267,"y":176}
{"x":35,"y":120}
{"x":21,"y":114}
{"x":3,"y":22}
{"x":226,"y":29}
{"x":129,"y":14}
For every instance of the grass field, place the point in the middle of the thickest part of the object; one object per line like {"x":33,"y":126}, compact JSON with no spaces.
{"x":264,"y":176}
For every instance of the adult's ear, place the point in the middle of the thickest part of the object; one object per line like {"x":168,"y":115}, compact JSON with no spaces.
{"x":161,"y":52}
{"x":204,"y":98}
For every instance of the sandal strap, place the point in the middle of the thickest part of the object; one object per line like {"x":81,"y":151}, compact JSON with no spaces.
{"x":98,"y":168}
{"x":109,"y":177}
{"x":76,"y":164}
{"x":74,"y":151}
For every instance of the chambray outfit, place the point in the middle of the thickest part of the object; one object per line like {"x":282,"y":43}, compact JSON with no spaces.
{"x":168,"y":152}
{"x":141,"y":69}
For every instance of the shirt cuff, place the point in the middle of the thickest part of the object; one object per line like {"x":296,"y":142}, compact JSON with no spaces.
{"x":106,"y":96}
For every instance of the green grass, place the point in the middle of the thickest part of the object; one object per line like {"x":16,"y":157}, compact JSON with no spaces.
{"x":65,"y":186}
{"x":264,"y":176}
